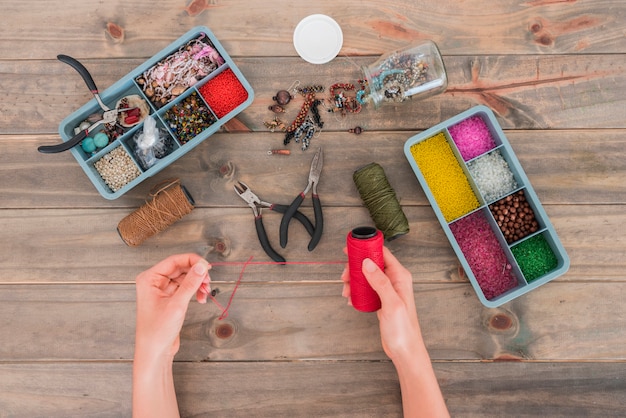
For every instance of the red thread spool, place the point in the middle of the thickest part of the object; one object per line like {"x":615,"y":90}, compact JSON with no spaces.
{"x":364,"y":242}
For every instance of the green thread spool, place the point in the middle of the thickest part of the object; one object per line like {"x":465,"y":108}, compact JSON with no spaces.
{"x":381,"y":201}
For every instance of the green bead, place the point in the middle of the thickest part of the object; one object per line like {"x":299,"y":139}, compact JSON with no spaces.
{"x":101,"y":140}
{"x":88,"y":145}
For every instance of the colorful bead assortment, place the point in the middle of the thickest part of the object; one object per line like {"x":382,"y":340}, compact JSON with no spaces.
{"x":223,"y":93}
{"x":534,"y":257}
{"x":484,"y":254}
{"x":189,"y":118}
{"x":514,"y":217}
{"x":174,"y":74}
{"x":117,"y":168}
{"x":445,"y":177}
{"x":472,"y":137}
{"x":492,"y":175}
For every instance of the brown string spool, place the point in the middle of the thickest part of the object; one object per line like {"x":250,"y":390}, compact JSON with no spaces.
{"x":169,"y":202}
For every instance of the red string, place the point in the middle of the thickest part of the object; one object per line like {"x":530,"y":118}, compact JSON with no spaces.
{"x":243,"y":268}
{"x":362,"y":296}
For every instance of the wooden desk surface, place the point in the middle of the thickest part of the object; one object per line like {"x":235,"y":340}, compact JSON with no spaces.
{"x":554,"y":73}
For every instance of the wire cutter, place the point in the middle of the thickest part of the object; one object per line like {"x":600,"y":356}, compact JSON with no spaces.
{"x":257,"y":205}
{"x":108,"y":116}
{"x":314,"y":178}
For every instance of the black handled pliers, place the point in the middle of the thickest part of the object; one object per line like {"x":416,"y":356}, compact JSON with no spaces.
{"x":314,"y":178}
{"x":108,"y":116}
{"x":257,"y":205}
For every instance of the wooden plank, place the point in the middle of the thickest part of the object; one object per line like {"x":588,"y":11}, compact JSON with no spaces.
{"x":318,"y":389}
{"x":247,"y":28}
{"x":83,"y":245}
{"x":576,"y":167}
{"x":534,"y":92}
{"x":280,"y":320}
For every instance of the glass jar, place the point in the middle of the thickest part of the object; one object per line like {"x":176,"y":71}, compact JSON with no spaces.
{"x":415,"y":72}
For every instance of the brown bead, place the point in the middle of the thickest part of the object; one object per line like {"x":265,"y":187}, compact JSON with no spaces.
{"x":277,"y":108}
{"x":282,"y":97}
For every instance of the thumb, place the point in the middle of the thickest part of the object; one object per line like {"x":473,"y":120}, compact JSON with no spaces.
{"x":193,"y":280}
{"x":379,"y":282}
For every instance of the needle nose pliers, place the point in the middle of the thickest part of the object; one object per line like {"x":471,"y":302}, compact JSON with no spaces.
{"x":257,"y":204}
{"x":108,"y":116}
{"x":314,"y":178}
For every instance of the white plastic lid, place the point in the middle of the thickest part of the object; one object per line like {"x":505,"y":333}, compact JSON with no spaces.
{"x":318,"y":39}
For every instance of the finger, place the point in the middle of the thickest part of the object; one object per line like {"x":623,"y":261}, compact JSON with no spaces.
{"x":175,"y":265}
{"x":194,"y":278}
{"x":203,"y":292}
{"x":379,"y":282}
{"x":396,"y":272}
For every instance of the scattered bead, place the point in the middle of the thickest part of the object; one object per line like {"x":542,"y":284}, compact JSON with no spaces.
{"x":282,"y":97}
{"x":356,"y":130}
{"x":275,"y":124}
{"x":278,"y":152}
{"x":277,"y":109}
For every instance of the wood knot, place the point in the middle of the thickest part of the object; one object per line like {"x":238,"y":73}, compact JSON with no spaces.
{"x":501,"y":322}
{"x":535,"y":27}
{"x":545,"y":40}
{"x":224,"y":331}
{"x":226,"y":170}
{"x":221,"y":332}
{"x":220,"y":246}
{"x":115,"y":31}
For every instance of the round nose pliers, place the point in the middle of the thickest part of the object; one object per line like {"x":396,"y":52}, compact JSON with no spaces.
{"x":257,"y":205}
{"x":314,"y":178}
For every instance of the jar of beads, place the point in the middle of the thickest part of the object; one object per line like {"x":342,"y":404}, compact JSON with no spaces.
{"x":411,"y":73}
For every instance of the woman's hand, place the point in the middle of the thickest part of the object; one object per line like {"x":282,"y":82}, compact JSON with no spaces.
{"x":163,"y":295}
{"x":399,"y":328}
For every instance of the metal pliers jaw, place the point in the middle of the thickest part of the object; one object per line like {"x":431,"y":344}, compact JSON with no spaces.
{"x":257,"y":205}
{"x":250,"y":198}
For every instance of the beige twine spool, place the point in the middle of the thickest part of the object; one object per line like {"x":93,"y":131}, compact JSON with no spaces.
{"x":169,"y":202}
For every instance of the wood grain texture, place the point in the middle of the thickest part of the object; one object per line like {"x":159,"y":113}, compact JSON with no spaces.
{"x":59,"y":238}
{"x":325,"y":389}
{"x":285,"y":319}
{"x":370,"y":27}
{"x":553,"y":72}
{"x":526,"y":92}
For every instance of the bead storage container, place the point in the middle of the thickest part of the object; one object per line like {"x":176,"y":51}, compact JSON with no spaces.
{"x":188,"y":112}
{"x":486,"y":206}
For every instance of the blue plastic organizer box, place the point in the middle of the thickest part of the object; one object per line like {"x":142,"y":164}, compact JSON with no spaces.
{"x":523,"y":279}
{"x":128,"y":86}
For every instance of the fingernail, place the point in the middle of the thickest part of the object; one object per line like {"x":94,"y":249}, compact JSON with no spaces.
{"x":200,"y":268}
{"x":369,"y":265}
